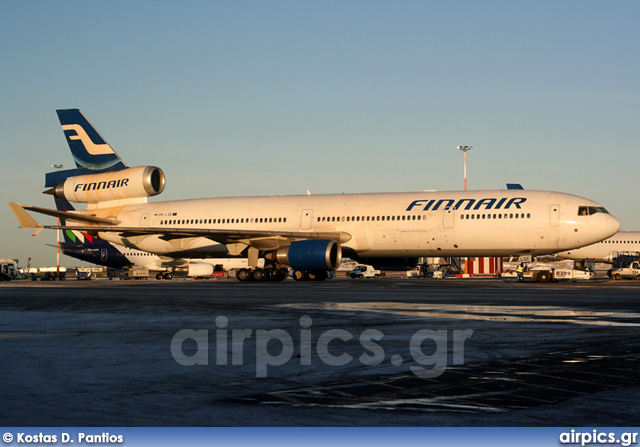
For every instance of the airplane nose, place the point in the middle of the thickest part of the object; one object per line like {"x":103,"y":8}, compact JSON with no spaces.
{"x":612,"y":225}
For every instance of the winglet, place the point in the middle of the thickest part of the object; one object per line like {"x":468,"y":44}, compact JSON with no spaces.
{"x":26,"y":221}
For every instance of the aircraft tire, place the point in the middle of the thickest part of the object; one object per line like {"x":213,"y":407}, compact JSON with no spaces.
{"x":299,"y":275}
{"x":280,"y":275}
{"x":258,"y":275}
{"x":243,"y":275}
{"x":167,"y":276}
{"x":316,"y":275}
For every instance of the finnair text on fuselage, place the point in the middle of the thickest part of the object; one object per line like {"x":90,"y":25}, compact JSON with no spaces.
{"x":487,"y":204}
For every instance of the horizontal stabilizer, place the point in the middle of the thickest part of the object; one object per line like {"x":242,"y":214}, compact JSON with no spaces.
{"x":76,"y":217}
{"x":26,"y":221}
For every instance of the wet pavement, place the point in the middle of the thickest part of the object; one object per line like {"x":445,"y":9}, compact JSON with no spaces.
{"x":359,"y":353}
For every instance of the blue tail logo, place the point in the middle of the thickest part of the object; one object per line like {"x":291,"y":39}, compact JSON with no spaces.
{"x":89,"y":149}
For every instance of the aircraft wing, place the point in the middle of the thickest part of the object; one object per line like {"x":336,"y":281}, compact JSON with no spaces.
{"x":265,"y":240}
{"x":223,"y":236}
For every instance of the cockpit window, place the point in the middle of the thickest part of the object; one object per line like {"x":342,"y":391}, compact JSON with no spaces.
{"x":589,"y":210}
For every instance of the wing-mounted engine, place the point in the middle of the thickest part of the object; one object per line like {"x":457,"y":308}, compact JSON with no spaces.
{"x":315,"y":255}
{"x":130,"y":183}
{"x":200,"y":269}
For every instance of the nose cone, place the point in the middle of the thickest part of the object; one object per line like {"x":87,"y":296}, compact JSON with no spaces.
{"x":612,"y":226}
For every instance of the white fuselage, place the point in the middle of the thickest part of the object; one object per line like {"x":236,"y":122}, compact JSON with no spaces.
{"x":604,"y":251}
{"x":453,"y":223}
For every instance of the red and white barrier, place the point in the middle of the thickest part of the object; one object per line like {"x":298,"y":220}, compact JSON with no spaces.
{"x":482,"y":266}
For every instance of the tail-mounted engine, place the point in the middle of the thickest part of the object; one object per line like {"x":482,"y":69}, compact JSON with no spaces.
{"x":130,"y":183}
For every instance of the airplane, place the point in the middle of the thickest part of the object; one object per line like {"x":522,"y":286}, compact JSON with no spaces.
{"x":607,"y":249}
{"x":83,"y":246}
{"x":308,"y":233}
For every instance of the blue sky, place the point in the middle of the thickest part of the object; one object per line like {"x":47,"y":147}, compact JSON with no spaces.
{"x":276,"y":97}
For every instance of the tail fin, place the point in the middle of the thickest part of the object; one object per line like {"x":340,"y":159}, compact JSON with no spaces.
{"x":73,"y":236}
{"x":85,"y":247}
{"x":89,"y":149}
{"x":64,"y":205}
{"x":91,"y":153}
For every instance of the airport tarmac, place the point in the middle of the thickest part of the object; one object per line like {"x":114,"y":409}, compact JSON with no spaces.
{"x":337,"y":353}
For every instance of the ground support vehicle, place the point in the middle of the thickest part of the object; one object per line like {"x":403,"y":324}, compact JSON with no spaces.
{"x":8,"y":269}
{"x":364,"y":271}
{"x":47,"y":273}
{"x":631,"y":271}
{"x":582,"y":270}
{"x":625,"y":264}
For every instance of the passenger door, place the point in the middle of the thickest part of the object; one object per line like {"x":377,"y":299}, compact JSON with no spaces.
{"x":448,"y":218}
{"x":306,"y":219}
{"x":554,"y":215}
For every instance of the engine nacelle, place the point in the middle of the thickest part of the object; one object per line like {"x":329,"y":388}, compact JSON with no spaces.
{"x":200,"y":269}
{"x":131,"y":183}
{"x":315,"y":254}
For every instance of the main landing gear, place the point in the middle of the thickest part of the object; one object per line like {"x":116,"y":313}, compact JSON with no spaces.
{"x":262,"y":275}
{"x":167,"y":275}
{"x":279,"y":274}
